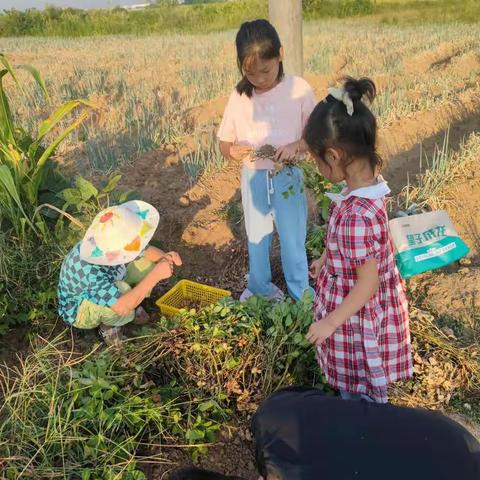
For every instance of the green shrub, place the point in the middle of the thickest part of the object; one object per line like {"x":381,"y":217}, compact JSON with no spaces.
{"x":25,"y":162}
{"x":234,"y":352}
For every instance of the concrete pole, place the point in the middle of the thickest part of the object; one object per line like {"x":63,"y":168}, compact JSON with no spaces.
{"x":286,"y":17}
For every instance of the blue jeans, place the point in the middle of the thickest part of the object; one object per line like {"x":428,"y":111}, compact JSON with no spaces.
{"x":276,"y":199}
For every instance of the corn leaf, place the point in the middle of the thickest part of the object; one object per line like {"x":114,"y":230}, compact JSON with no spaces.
{"x":51,"y":148}
{"x":58,"y":115}
{"x":38,"y":78}
{"x":7,"y":128}
{"x":6,"y":179}
{"x":9,"y":68}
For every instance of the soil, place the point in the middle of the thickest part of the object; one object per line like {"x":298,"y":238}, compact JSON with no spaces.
{"x":266,"y":152}
{"x":454,"y":289}
{"x":233,"y":455}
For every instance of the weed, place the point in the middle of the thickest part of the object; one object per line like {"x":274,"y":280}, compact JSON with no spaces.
{"x":86,"y":417}
{"x":440,"y":171}
{"x":204,"y":159}
{"x":28,"y":273}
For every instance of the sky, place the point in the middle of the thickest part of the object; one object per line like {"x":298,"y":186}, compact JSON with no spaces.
{"x":40,"y":4}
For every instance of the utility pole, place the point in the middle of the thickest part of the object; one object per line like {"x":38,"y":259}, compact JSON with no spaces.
{"x":286,"y":17}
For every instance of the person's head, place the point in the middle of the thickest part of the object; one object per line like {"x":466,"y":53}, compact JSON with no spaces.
{"x":119,"y":234}
{"x":343,"y":131}
{"x":259,"y":57}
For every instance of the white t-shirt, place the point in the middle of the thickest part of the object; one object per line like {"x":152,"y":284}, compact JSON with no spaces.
{"x":276,"y":117}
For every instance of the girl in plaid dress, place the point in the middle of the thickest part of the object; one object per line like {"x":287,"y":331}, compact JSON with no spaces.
{"x":361,"y":329}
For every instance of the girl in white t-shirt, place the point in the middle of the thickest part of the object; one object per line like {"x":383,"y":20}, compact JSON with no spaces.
{"x":269,"y":108}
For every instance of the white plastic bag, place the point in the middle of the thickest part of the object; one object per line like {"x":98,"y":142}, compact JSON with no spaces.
{"x":425,"y":242}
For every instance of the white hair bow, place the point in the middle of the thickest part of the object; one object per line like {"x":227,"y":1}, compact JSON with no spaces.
{"x":341,"y":95}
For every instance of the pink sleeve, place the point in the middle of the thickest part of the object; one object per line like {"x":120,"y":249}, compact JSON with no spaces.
{"x":226,"y":131}
{"x":308,"y":104}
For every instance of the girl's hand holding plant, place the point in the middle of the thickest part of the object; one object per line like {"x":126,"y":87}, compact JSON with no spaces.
{"x":132,"y":299}
{"x":155,"y":255}
{"x":163,"y":269}
{"x":290,"y":153}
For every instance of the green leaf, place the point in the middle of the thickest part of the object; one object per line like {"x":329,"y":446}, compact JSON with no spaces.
{"x":108,"y":395}
{"x":298,"y":338}
{"x":42,"y":228}
{"x":231,"y":363}
{"x":194,"y":435}
{"x":325,"y":207}
{"x":85,"y":381}
{"x":36,"y":75}
{"x":58,"y":115}
{"x":86,"y":188}
{"x":111,"y":184}
{"x":86,"y":473}
{"x":103,"y":383}
{"x":72,"y":196}
{"x":8,"y":67}
{"x":205,"y":406}
{"x":137,"y":475}
{"x":211,"y":436}
{"x":51,"y":148}
{"x":6,"y":179}
{"x":7,"y":128}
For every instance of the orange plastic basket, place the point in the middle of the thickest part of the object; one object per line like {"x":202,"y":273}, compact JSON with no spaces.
{"x":186,"y":291}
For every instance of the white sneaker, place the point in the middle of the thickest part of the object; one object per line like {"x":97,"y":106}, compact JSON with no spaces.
{"x":276,"y":295}
{"x":246,"y":294}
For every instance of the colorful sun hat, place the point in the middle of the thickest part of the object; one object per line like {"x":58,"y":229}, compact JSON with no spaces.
{"x":119,"y":233}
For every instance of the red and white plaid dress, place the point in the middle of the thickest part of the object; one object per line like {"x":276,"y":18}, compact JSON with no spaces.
{"x":371,"y":349}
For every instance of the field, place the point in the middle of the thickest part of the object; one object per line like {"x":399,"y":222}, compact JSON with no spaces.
{"x":157,"y":102}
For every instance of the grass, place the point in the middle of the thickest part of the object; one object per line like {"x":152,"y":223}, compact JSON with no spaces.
{"x":82,"y":419}
{"x":206,"y":158}
{"x":101,"y":414}
{"x":418,"y":12}
{"x":28,"y":273}
{"x":232,"y":212}
{"x":447,"y":365}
